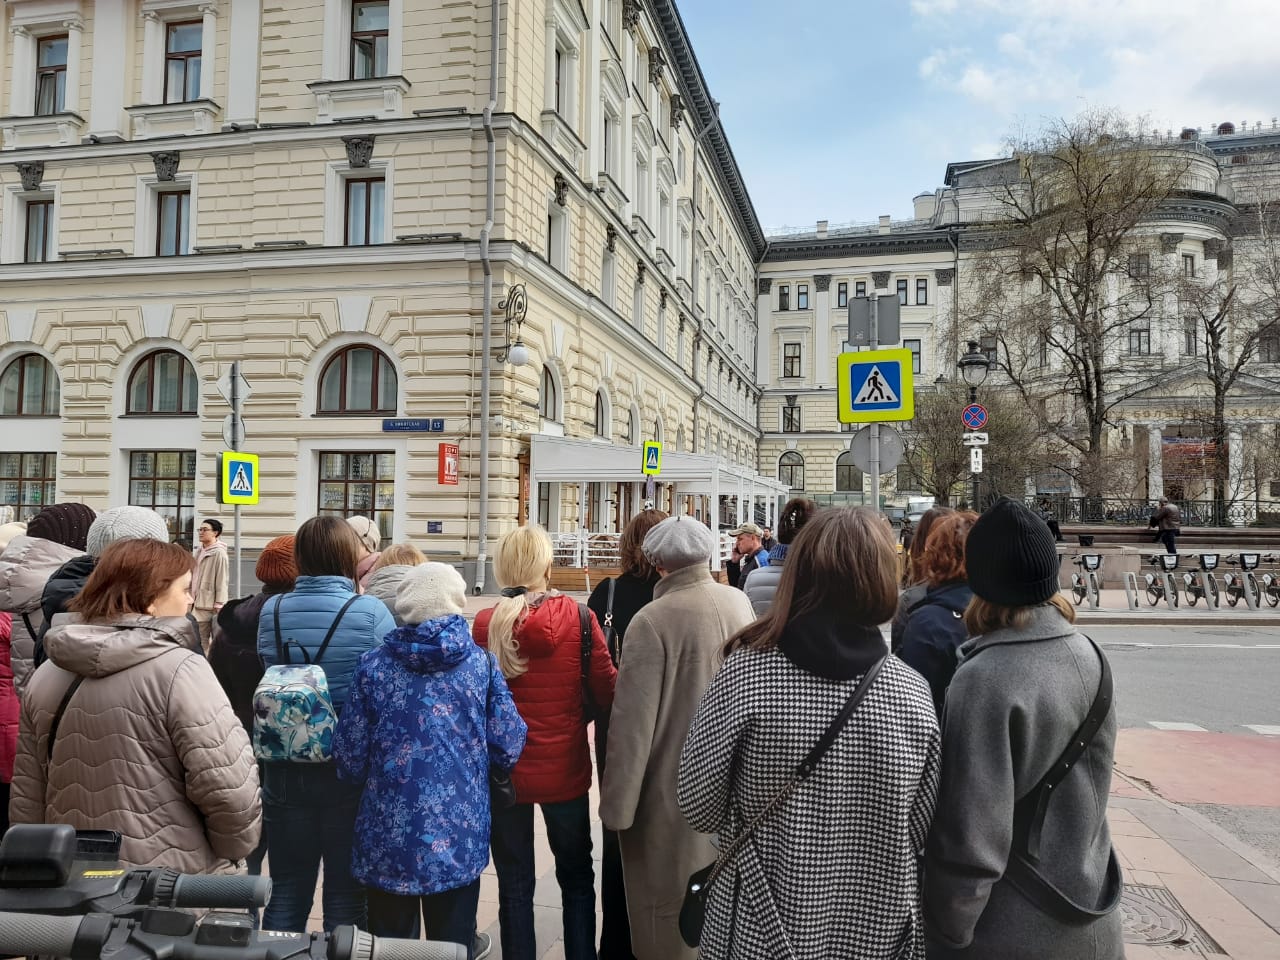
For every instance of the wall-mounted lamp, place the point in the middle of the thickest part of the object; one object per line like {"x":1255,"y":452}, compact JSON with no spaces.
{"x":514,"y":307}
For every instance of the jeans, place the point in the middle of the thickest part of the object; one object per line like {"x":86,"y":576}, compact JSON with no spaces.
{"x":449,"y":916}
{"x":569,"y":833}
{"x":253,"y":863}
{"x":1170,"y":540}
{"x":310,"y":817}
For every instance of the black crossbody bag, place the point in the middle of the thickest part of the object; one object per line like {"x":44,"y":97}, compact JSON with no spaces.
{"x":694,"y":908}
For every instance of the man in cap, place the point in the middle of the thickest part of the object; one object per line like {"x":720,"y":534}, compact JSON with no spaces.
{"x":673,"y":650}
{"x":748,"y":553}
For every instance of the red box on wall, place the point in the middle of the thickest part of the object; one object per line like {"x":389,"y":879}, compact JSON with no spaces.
{"x":448,"y":464}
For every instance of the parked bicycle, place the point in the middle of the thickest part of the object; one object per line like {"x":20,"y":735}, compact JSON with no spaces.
{"x":1086,"y":582}
{"x":1165,"y":564}
{"x":1271,"y":580}
{"x":1201,"y":582}
{"x":1237,"y":584}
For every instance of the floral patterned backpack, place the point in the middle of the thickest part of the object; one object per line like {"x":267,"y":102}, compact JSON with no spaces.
{"x":293,"y":715}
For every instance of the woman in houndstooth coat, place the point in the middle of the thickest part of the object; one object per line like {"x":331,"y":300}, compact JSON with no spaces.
{"x":833,"y":871}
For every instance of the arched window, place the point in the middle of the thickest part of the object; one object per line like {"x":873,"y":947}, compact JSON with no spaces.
{"x":29,"y":388}
{"x":791,"y":470}
{"x":602,"y":415}
{"x":549,"y":398}
{"x":163,"y":384}
{"x":358,"y":380}
{"x":848,"y":476}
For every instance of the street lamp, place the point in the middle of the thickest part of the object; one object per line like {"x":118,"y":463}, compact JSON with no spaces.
{"x":974,"y":367}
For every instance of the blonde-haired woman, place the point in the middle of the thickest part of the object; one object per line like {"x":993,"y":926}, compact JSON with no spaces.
{"x":536,"y":634}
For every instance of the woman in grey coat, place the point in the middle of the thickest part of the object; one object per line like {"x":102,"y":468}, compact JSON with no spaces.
{"x":1026,"y":682}
{"x":762,"y":583}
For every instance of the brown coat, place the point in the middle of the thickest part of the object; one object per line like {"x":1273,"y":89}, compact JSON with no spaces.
{"x":209,"y":586}
{"x":148,"y":746}
{"x":673,"y":650}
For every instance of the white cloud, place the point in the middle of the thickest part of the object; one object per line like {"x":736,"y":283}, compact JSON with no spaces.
{"x":977,"y":83}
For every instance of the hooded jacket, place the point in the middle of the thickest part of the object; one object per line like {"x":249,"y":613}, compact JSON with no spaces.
{"x":382,"y":583}
{"x":68,"y":580}
{"x":1017,"y":698}
{"x":148,"y":746}
{"x":556,"y":763}
{"x":26,"y":565}
{"x":761,"y":584}
{"x":233,"y":655}
{"x":427,"y":715}
{"x":935,"y":630}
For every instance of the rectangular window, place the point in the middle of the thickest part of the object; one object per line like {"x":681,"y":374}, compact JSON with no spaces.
{"x":790,"y":419}
{"x":559,"y":78}
{"x":922,"y":292}
{"x":39,"y":227}
{"x":802,"y":296}
{"x":784,"y":297}
{"x":1189,"y":265}
{"x":182,"y":61}
{"x":364,"y":211}
{"x":914,"y":347}
{"x":173,"y":223}
{"x":1190,"y":336}
{"x":165,"y":481}
{"x":51,"y":76}
{"x":28,"y":482}
{"x":902,"y":292}
{"x":988,"y":346}
{"x":1273,"y":489}
{"x":1269,"y":348}
{"x":370,"y":24}
{"x":1139,"y":265}
{"x":543,"y":517}
{"x":860,"y":288}
{"x":1140,"y":341}
{"x":842,"y":294}
{"x":791,"y":359}
{"x":359,"y":484}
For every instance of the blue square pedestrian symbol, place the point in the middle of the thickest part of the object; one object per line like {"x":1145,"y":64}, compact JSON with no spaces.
{"x":875,"y":385}
{"x":238,"y":479}
{"x":651,"y":460}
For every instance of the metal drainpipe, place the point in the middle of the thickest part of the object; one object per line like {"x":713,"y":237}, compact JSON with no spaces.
{"x":486,"y":323}
{"x":693,"y":271}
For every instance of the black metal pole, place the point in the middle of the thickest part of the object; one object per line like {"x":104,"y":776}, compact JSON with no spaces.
{"x":973,"y":398}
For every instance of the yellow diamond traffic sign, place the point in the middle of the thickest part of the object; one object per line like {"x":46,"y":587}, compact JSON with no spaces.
{"x":873,"y":386}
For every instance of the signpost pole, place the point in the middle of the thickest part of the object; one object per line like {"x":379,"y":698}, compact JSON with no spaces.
{"x":875,"y":426}
{"x":973,"y":398}
{"x":235,"y":445}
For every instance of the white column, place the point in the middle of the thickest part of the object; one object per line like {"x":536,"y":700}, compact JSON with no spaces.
{"x":242,"y":70}
{"x":22,"y":76}
{"x":208,"y":50}
{"x":765,"y":373}
{"x":549,"y":72}
{"x":395,"y":38}
{"x":75,"y":31}
{"x":1155,"y":460}
{"x":106,"y":106}
{"x":1235,"y":469}
{"x":153,"y":58}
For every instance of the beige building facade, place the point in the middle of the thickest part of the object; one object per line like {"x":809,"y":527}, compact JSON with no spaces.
{"x":304,"y":187}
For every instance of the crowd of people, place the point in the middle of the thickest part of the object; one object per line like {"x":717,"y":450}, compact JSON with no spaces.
{"x":941,"y":795}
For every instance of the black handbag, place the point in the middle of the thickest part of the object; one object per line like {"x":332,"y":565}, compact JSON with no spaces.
{"x":694,"y":908}
{"x":610,"y":634}
{"x":502,"y":792}
{"x":590,"y":708}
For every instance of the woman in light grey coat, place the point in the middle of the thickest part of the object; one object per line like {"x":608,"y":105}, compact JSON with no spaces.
{"x":762,"y":583}
{"x":392,"y":565}
{"x":673,"y":650}
{"x":1025,"y":684}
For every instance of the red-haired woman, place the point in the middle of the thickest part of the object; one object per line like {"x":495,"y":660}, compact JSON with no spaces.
{"x":935,"y":628}
{"x":146,"y":743}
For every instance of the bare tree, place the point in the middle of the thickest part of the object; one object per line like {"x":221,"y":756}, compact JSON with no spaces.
{"x":1066,"y":274}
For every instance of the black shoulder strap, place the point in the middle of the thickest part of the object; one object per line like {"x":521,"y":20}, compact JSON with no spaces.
{"x":833,"y":729}
{"x":334,"y":627}
{"x":31,"y":630}
{"x":57,"y":717}
{"x":1079,"y":742}
{"x":608,"y":607}
{"x":584,"y":622}
{"x":282,"y":652}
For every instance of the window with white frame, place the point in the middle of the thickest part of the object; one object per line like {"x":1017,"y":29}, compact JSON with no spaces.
{"x":176,"y":36}
{"x":914,"y":347}
{"x":166,"y":216}
{"x":600,"y":424}
{"x":44,"y":71}
{"x":637,"y":306}
{"x":609,"y":279}
{"x":173,"y":223}
{"x":922,"y":291}
{"x":549,"y":396}
{"x":362,"y":40}
{"x":802,"y":296}
{"x":1190,"y":335}
{"x":565,"y":26}
{"x":557,"y":236}
{"x":183,"y":61}
{"x":791,"y":419}
{"x":38,"y":243}
{"x":791,"y":470}
{"x":791,"y":360}
{"x":358,"y":212}
{"x":370,"y":38}
{"x":51,"y":75}
{"x":902,"y":292}
{"x":842,"y":294}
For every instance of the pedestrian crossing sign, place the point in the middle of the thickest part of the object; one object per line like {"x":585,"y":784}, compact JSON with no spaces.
{"x":238,"y":478}
{"x":651,"y":461}
{"x":874,"y":386}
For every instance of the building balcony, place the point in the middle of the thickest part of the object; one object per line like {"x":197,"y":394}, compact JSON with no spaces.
{"x":193,"y":118}
{"x":380,"y":98}
{"x":612,"y":194}
{"x":564,"y":141}
{"x":55,"y":130}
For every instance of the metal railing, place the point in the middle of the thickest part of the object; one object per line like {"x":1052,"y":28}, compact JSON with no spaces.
{"x":1136,"y":513}
{"x":585,"y":550}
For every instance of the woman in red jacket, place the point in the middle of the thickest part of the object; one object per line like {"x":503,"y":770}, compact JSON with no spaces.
{"x":536,"y":634}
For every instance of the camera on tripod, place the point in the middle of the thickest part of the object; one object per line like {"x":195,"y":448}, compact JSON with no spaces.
{"x":66,"y":894}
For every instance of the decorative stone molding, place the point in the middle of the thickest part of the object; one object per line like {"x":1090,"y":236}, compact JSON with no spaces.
{"x":944,"y":278}
{"x":1169,"y":242}
{"x":610,"y":237}
{"x":662,"y":297}
{"x":657,"y":62}
{"x":822,"y":282}
{"x":677,"y":109}
{"x":791,"y":399}
{"x":166,"y":164}
{"x":562,"y":189}
{"x":359,"y":151}
{"x":630,"y":14}
{"x":32,"y":174}
{"x":766,"y":285}
{"x":59,"y":130}
{"x":193,"y":119}
{"x":1212,"y":248}
{"x":379,"y":97}
{"x":880,"y":279}
{"x":640,"y":273}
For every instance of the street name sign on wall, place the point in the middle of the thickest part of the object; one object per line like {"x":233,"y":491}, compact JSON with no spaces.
{"x":873,"y":386}
{"x":651,"y":458}
{"x":413,"y":425}
{"x":239,"y":482}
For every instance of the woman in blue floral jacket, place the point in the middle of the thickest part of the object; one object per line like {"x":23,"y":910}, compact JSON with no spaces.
{"x":426,"y":716}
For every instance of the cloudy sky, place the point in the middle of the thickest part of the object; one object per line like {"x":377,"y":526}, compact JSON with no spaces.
{"x":845,"y":109}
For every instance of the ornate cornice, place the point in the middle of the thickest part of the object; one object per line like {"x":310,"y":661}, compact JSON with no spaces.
{"x":359,"y":151}
{"x":822,"y":282}
{"x":32,"y":174}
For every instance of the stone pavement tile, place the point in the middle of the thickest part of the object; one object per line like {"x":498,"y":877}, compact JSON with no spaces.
{"x":1218,"y":862}
{"x":1129,"y":828}
{"x":1203,"y":767}
{"x":1172,"y":825}
{"x":1153,"y":854}
{"x":1262,"y":898}
{"x":1237,"y":930}
{"x":1117,"y":814}
{"x":1145,"y":878}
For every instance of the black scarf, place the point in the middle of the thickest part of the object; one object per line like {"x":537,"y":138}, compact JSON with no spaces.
{"x":827,"y":648}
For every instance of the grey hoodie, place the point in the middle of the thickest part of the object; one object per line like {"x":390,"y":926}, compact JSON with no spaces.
{"x":383,"y":582}
{"x":1016,"y":699}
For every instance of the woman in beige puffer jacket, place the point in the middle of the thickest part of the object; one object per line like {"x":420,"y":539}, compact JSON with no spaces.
{"x":148,"y":744}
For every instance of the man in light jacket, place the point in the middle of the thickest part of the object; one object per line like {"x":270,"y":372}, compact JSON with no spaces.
{"x":210,"y":584}
{"x":673,"y":650}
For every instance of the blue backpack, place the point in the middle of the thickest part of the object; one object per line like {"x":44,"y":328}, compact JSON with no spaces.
{"x":293,"y":715}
